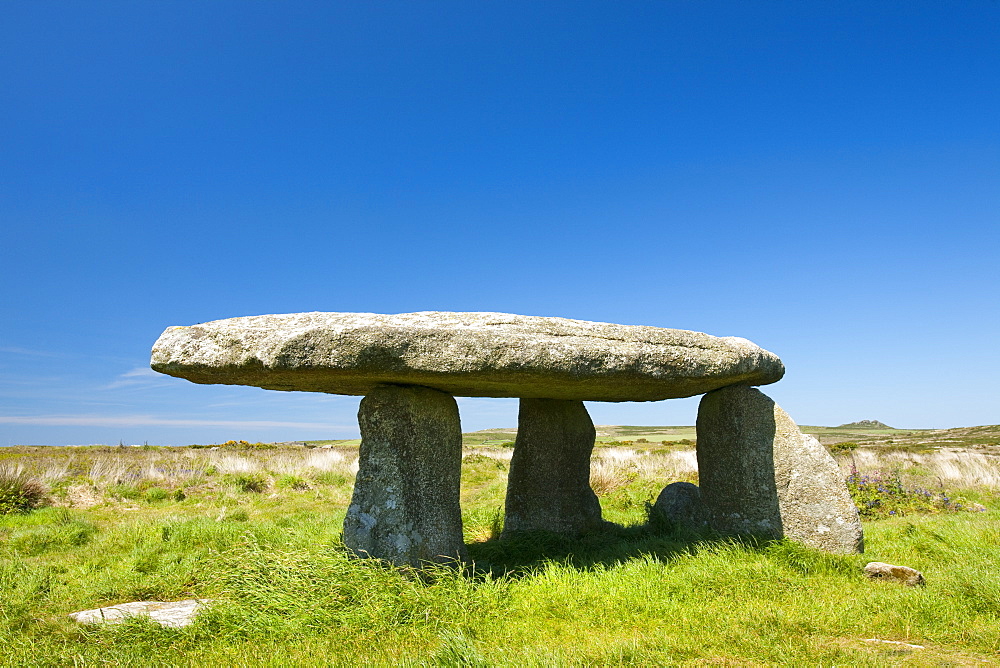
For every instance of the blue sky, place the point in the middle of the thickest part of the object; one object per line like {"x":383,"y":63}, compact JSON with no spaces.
{"x":821,"y":178}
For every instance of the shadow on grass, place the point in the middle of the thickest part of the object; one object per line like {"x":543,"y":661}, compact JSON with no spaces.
{"x":659,"y":539}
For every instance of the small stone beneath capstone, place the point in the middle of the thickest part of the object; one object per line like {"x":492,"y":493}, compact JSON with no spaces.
{"x":681,"y":503}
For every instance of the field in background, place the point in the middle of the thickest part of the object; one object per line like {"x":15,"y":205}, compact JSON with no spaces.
{"x":256,"y":527}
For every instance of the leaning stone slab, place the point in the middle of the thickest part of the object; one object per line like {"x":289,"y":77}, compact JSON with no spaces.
{"x":463,"y":354}
{"x":758,"y":474}
{"x":548,"y":487}
{"x":172,"y":614}
{"x":405,"y":507}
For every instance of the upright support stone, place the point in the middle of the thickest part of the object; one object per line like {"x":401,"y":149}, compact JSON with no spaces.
{"x":548,"y":486}
{"x":760,"y":475}
{"x":405,"y":507}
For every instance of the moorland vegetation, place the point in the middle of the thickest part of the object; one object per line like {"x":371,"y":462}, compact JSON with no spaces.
{"x":256,"y":528}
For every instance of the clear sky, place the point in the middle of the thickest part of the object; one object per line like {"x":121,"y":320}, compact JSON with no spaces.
{"x":822,"y":178}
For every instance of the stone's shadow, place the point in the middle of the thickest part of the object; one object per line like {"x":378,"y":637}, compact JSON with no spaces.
{"x":661,"y":540}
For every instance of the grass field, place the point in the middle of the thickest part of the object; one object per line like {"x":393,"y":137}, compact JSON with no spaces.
{"x":257,"y":530}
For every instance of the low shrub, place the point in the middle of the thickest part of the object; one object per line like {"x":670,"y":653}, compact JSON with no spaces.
{"x":842,"y":447}
{"x":246,"y":482}
{"x":879,"y":494}
{"x":238,"y":515}
{"x":246,"y":445}
{"x":681,"y":442}
{"x":129,"y":492}
{"x":332,"y":478}
{"x":291,"y":481}
{"x":154,"y":494}
{"x":19,"y":492}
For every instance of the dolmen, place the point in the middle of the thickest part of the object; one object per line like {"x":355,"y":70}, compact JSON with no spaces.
{"x":758,"y":474}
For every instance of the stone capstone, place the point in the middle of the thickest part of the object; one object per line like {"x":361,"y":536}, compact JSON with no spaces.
{"x":548,"y":485}
{"x":405,"y":505}
{"x":878,"y":570}
{"x":463,"y":354}
{"x":172,"y":614}
{"x":759,"y":474}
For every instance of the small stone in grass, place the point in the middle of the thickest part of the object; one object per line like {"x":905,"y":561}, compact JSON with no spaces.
{"x":172,"y":614}
{"x":877,"y":570}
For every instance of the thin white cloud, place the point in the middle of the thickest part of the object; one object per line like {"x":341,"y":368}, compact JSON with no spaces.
{"x":15,"y":350}
{"x":141,"y":375}
{"x":153,"y":421}
{"x":141,"y":372}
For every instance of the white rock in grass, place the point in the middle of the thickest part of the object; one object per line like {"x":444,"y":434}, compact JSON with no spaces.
{"x":172,"y":614}
{"x":878,"y":570}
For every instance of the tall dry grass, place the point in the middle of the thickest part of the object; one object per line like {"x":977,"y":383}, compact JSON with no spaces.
{"x":86,"y":477}
{"x":956,"y":468}
{"x":612,"y":468}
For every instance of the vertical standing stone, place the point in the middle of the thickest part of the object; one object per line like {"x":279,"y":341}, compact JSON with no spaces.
{"x":549,"y":482}
{"x":759,"y":474}
{"x":405,"y":507}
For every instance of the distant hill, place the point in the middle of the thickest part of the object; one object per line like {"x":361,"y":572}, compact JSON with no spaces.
{"x":865,"y":424}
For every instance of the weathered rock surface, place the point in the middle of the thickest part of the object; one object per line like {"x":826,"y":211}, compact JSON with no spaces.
{"x":405,"y":506}
{"x":548,"y":486}
{"x":681,"y":502}
{"x":759,"y":474}
{"x":464,"y":354}
{"x":172,"y":614}
{"x":878,"y":570}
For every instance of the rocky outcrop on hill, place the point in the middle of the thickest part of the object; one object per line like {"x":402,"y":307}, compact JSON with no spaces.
{"x":865,"y":424}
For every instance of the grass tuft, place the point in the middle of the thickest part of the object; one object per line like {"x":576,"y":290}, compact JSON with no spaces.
{"x":19,"y":492}
{"x":246,"y":482}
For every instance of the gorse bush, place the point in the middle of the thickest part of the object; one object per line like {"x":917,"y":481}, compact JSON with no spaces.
{"x":19,"y":491}
{"x":246,"y":445}
{"x":843,"y":446}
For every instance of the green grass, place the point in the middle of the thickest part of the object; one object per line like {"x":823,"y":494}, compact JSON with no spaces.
{"x":647,"y":594}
